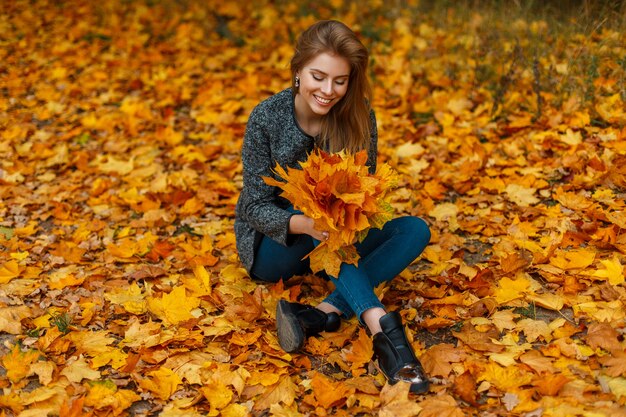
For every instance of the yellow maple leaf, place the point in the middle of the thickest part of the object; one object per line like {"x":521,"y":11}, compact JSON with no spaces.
{"x":612,"y":108}
{"x":571,"y":200}
{"x":237,"y":410}
{"x":506,"y":358}
{"x":505,"y":378}
{"x":520,"y":195}
{"x":618,"y":386}
{"x":264,"y":378}
{"x":548,"y":300}
{"x":112,"y":356}
{"x":509,"y":289}
{"x":163,"y":382}
{"x":77,"y":370}
{"x":68,"y":280}
{"x":504,"y":319}
{"x":573,"y":259}
{"x":105,"y":394}
{"x":132,"y":299}
{"x":217,"y":394}
{"x":323,"y":257}
{"x":201,"y":285}
{"x":127,"y":248}
{"x":114,"y":165}
{"x":410,"y":150}
{"x":602,"y":310}
{"x":88,"y":311}
{"x":174,"y":307}
{"x":279,"y":410}
{"x":42,"y":401}
{"x":8,"y":271}
{"x":19,"y":256}
{"x":169,"y":135}
{"x":142,"y":334}
{"x":91,"y":342}
{"x":571,"y":138}
{"x":192,"y":206}
{"x":533,"y":329}
{"x":613,"y":271}
{"x":18,"y":363}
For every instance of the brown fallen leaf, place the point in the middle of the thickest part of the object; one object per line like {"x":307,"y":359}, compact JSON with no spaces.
{"x":550,"y":384}
{"x":465,"y":388}
{"x":479,"y":341}
{"x":441,"y":406}
{"x":396,"y":401}
{"x":615,"y":363}
{"x":249,"y":308}
{"x":538,"y":362}
{"x":438,"y":359}
{"x":602,"y":335}
{"x":283,"y":392}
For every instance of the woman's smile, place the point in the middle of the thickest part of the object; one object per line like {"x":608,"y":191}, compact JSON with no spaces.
{"x":323,"y":82}
{"x":322,"y":101}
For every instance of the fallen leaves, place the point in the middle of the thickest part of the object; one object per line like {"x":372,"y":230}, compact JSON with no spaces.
{"x":8,"y":271}
{"x":120,"y":288}
{"x":175,"y":307}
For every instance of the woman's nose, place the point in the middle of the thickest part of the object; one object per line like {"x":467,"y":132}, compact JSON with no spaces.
{"x":327,"y":87}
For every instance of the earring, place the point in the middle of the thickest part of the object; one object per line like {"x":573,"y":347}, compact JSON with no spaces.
{"x":297,"y":82}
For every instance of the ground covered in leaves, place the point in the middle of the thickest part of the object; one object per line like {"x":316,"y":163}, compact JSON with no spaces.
{"x":121,"y":292}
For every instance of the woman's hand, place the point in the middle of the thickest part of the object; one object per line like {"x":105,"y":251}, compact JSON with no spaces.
{"x":304,"y":225}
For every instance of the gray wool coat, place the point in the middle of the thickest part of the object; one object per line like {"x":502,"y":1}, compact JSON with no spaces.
{"x":273,"y":136}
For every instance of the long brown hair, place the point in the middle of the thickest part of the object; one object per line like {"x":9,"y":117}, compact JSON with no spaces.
{"x":347,"y":125}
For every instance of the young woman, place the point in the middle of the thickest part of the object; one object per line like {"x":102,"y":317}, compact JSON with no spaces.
{"x":327,"y":106}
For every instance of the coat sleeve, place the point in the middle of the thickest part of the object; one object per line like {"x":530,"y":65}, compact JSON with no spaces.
{"x":373,"y":149}
{"x":258,"y":201}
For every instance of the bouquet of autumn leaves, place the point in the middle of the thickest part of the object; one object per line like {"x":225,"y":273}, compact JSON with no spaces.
{"x":338,"y":192}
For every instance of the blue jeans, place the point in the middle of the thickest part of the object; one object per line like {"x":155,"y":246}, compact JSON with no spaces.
{"x":384,"y":254}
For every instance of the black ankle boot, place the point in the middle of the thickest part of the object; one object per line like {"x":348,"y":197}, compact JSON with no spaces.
{"x":395,"y":356}
{"x":295,"y":322}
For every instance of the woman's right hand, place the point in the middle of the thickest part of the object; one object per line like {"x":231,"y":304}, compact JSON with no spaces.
{"x":301,"y":224}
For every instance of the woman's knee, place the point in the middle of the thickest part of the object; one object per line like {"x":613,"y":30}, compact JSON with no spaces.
{"x":417,"y":230}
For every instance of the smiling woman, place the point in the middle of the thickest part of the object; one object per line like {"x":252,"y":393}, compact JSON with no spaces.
{"x":320,"y":85}
{"x":327,"y":107}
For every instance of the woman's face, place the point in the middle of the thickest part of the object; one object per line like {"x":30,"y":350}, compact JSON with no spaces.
{"x":323,"y":82}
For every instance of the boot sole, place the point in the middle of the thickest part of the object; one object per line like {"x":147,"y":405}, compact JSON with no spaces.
{"x":419,"y":388}
{"x":416,"y":388}
{"x":290,"y":333}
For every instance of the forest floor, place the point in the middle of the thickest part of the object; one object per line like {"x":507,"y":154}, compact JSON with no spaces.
{"x":122,"y":294}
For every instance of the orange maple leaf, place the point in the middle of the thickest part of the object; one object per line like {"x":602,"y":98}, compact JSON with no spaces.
{"x":328,"y":392}
{"x":360,"y":353}
{"x":75,"y":410}
{"x":342,"y":197}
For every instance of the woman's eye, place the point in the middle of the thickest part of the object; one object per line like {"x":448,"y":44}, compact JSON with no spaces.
{"x":318,"y":78}
{"x":340,"y":82}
